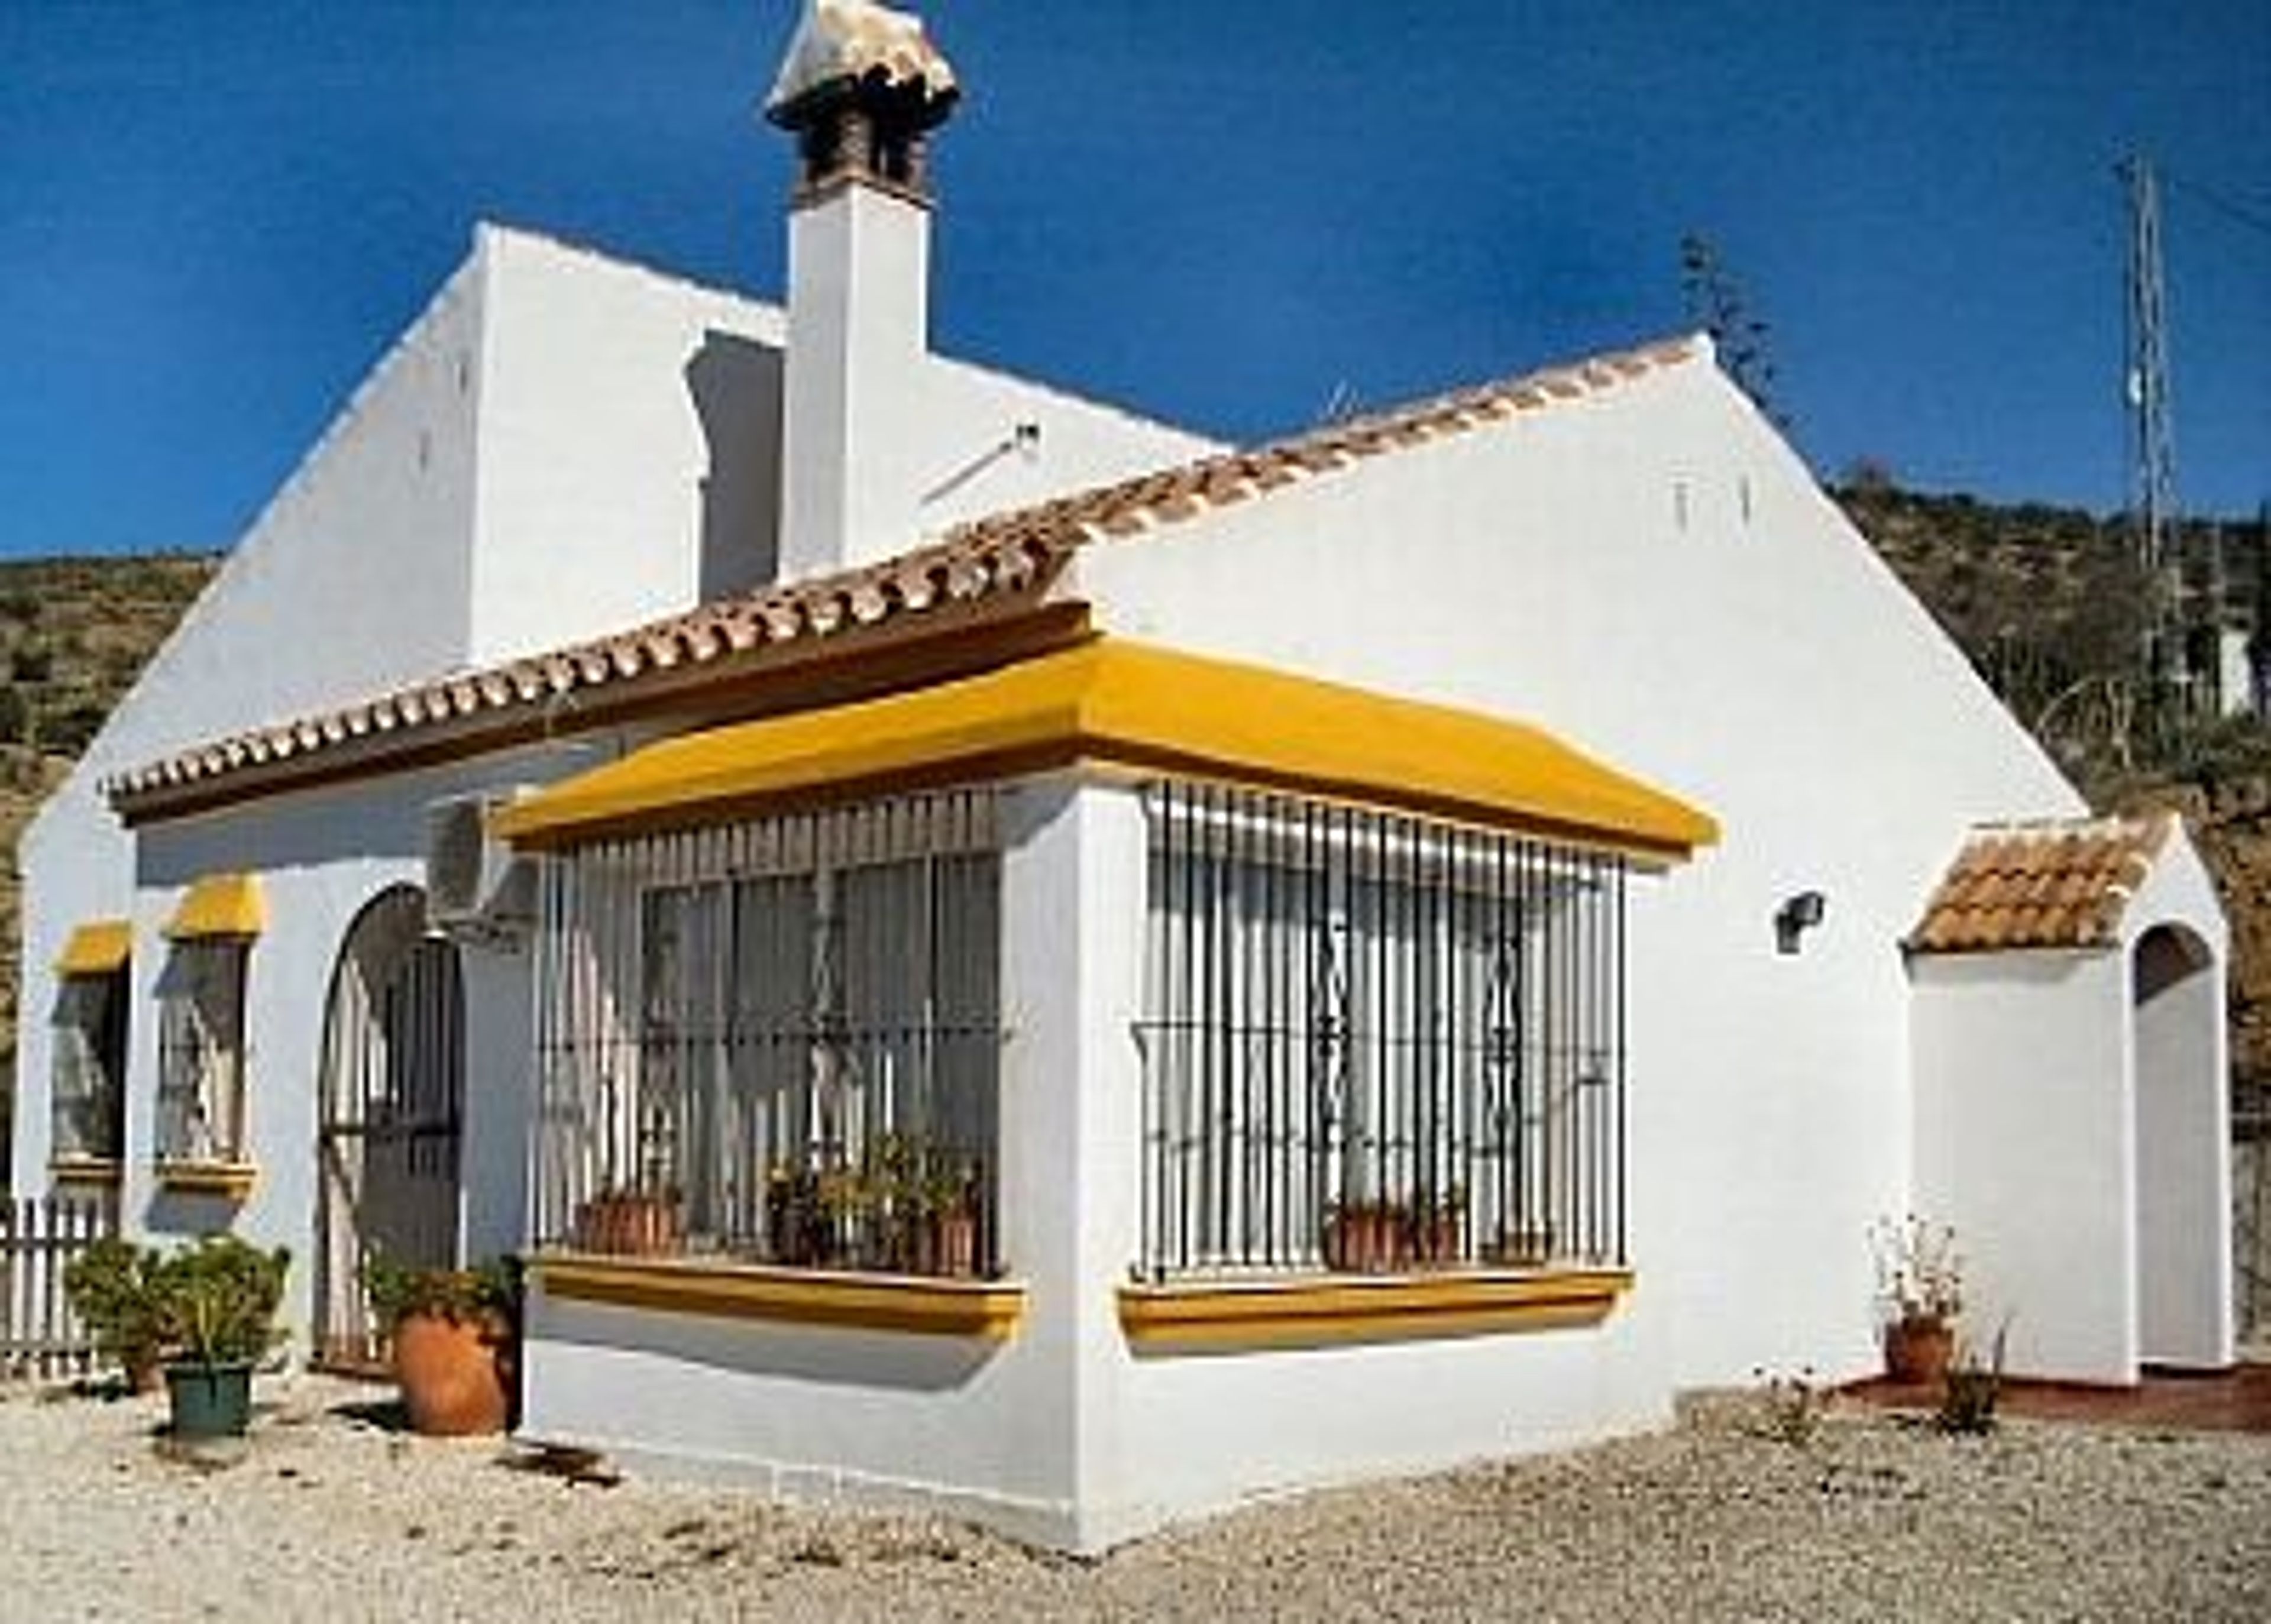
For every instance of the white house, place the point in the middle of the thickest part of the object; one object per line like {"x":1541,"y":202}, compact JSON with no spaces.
{"x":1002,"y":955}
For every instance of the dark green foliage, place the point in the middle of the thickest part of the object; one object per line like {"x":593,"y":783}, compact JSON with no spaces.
{"x":213,"y":1302}
{"x":217,"y":1301}
{"x":113,"y":1288}
{"x":489,"y":1291}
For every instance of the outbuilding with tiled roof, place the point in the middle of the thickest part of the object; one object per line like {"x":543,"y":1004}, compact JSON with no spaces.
{"x":2071,"y":1095}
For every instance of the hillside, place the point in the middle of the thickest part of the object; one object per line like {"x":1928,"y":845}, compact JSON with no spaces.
{"x":2043,"y":599}
{"x":74,"y":634}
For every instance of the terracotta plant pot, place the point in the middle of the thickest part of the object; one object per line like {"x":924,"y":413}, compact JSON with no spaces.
{"x":448,"y":1371}
{"x":1918,"y":1351}
{"x":1364,"y":1238}
{"x":627,"y":1225}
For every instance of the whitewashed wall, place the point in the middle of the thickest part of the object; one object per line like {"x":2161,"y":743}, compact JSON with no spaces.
{"x":998,"y":1433}
{"x":355,"y":577}
{"x":562,"y":445}
{"x":323,"y":856}
{"x":2025,"y":1130}
{"x":1650,"y":574}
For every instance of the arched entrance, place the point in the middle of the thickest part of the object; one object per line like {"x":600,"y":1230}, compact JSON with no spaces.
{"x":2183,"y":1200}
{"x":387,"y":1146}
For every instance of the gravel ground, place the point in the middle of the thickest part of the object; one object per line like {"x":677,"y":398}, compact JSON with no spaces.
{"x":329,"y":1516}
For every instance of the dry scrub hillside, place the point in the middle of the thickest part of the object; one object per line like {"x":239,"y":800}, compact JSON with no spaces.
{"x":74,"y":634}
{"x":2043,"y":599}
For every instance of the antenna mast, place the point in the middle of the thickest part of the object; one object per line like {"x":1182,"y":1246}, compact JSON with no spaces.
{"x":2153,"y":523}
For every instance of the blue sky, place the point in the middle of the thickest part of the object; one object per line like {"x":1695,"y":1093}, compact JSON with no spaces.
{"x":214,"y":216}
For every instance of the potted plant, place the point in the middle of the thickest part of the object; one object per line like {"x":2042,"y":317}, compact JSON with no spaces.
{"x":1439,"y":1227}
{"x":1523,"y":1243}
{"x":454,"y":1338}
{"x":113,"y":1289}
{"x":949,"y":1200}
{"x":792,"y":1221}
{"x":1919,"y":1291}
{"x":217,"y":1301}
{"x":1367,"y":1237}
{"x":632,"y":1223}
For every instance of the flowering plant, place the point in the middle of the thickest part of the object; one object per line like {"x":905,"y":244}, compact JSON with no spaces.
{"x":1919,"y":1271}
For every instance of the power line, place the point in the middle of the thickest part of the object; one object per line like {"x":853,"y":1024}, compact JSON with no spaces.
{"x":2229,"y":208}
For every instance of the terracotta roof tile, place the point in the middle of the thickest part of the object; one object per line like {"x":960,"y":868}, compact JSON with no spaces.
{"x":1019,"y":551}
{"x":2063,"y":884}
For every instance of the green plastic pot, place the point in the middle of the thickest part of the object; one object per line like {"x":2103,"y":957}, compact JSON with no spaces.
{"x":211,"y":1401}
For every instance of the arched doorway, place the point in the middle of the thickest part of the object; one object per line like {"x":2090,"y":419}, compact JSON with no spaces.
{"x":2183,"y":1200}
{"x":387,"y":1145}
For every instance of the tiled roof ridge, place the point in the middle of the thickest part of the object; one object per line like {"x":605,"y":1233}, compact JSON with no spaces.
{"x":940,"y":573}
{"x":1162,"y":497}
{"x":1018,"y":549}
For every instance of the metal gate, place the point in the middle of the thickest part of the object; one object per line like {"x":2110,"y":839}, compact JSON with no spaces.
{"x":393,"y":1086}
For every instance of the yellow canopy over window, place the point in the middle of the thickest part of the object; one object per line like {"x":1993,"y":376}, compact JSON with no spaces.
{"x":1136,"y":707}
{"x":220,"y":905}
{"x":96,"y":948}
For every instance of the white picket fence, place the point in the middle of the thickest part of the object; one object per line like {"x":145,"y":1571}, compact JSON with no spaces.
{"x":40,"y":1339}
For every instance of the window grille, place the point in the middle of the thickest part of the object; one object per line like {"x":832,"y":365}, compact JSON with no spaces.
{"x":1373,"y":1042}
{"x":776,"y":1040}
{"x":201,"y":1051}
{"x":89,"y":1081}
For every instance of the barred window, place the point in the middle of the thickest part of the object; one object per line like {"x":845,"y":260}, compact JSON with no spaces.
{"x":89,"y":1091}
{"x":1373,"y":1042}
{"x":201,"y":1051}
{"x":777,"y":1040}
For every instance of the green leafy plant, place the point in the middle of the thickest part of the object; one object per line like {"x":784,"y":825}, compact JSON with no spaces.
{"x":488,"y":1292}
{"x":217,"y":1301}
{"x":112,"y":1287}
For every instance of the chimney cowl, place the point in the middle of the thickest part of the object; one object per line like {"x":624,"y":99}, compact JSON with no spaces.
{"x":860,"y":87}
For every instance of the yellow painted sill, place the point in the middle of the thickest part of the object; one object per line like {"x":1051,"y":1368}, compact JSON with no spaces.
{"x":1291,"y":1311}
{"x":85,"y":1170}
{"x":986,"y":1309}
{"x":231,"y":1180}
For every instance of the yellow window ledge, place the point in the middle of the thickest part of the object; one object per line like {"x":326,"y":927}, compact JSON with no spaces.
{"x":1316,"y":1310}
{"x":84,"y":1169}
{"x":232,"y":1179}
{"x":986,"y":1309}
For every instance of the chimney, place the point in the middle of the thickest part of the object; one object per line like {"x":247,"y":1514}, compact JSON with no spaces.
{"x":861,"y":89}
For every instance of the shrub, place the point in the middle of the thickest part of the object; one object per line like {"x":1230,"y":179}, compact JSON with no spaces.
{"x":1971,"y":1392}
{"x":218,"y":1299}
{"x":488,"y":1290}
{"x":113,"y":1288}
{"x":1791,"y":1405}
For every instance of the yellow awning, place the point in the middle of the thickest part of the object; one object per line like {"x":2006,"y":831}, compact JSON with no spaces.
{"x":220,"y":905}
{"x":1133,"y":706}
{"x":96,"y":948}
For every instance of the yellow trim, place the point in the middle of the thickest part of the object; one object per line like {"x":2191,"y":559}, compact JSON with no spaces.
{"x":1132,"y":705}
{"x":987,"y":1310}
{"x":96,"y":948}
{"x":1311,"y":1311}
{"x":84,"y":1170}
{"x":231,"y":1180}
{"x":220,"y":905}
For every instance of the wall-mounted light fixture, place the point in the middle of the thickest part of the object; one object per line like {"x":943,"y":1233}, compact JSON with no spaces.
{"x":1795,"y":917}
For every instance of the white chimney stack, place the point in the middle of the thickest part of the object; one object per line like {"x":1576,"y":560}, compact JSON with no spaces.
{"x":861,"y":89}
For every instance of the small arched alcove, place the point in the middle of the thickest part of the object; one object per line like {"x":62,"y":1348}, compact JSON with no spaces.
{"x":2178,"y":1095}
